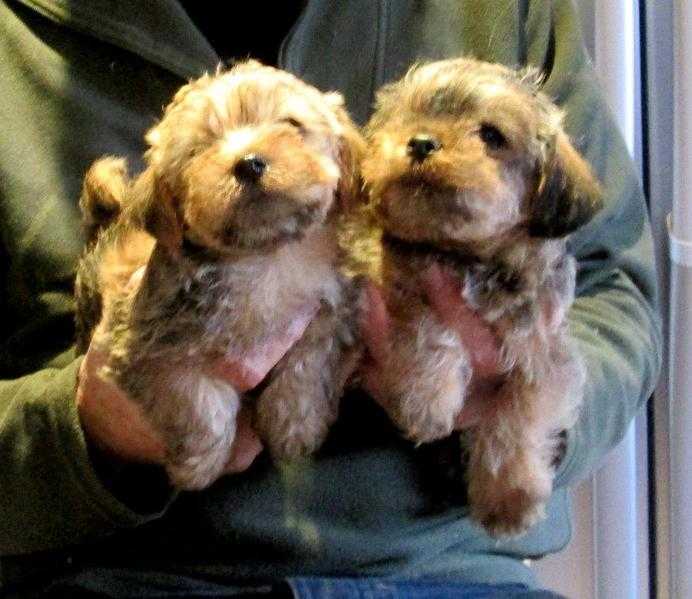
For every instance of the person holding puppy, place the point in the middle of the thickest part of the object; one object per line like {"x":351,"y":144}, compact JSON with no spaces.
{"x":84,"y":506}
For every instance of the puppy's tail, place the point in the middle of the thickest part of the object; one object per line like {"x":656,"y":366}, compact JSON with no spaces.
{"x":102,"y":196}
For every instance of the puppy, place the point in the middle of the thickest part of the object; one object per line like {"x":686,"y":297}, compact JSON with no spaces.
{"x":234,"y":219}
{"x":468,"y":168}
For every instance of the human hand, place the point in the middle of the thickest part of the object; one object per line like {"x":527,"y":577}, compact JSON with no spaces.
{"x":118,"y":427}
{"x":249,"y":370}
{"x":443,"y":292}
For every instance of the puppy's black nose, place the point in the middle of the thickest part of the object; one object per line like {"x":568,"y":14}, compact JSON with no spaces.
{"x":421,"y":146}
{"x":250,"y":168}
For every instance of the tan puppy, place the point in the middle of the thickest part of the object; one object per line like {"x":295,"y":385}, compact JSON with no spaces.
{"x":234,"y":219}
{"x":468,"y":168}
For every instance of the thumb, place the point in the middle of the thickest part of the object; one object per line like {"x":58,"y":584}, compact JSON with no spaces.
{"x":246,"y":445}
{"x":444,"y":294}
{"x":374,"y":323}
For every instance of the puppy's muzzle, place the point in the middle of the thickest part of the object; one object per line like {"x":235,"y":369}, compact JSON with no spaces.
{"x":421,"y":146}
{"x":263,"y":220}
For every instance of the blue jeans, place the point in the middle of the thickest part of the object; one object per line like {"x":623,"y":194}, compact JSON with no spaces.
{"x":380,"y":588}
{"x":131,"y":584}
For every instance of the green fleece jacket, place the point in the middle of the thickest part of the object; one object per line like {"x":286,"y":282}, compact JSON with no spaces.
{"x":84,"y":79}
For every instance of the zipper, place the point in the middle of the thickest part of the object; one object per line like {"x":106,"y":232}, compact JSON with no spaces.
{"x":283,"y":59}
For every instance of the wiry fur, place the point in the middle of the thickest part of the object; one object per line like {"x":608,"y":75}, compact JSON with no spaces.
{"x":102,"y":196}
{"x":230,"y":260}
{"x":491,"y":203}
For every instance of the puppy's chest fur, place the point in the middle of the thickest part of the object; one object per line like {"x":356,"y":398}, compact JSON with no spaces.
{"x":211,"y":308}
{"x":520,"y":288}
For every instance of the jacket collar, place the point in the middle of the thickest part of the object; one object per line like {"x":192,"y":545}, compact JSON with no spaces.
{"x":157,"y":30}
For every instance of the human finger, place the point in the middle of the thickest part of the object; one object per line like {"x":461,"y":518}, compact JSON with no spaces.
{"x":246,"y":444}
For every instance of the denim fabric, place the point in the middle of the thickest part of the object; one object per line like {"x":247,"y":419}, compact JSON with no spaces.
{"x":115,"y":583}
{"x":374,"y":588}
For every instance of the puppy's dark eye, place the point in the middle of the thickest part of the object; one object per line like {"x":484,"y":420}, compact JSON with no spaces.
{"x":294,"y":123}
{"x":492,"y":137}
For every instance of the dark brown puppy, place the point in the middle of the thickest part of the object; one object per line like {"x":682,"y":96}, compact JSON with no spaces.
{"x":468,"y":167}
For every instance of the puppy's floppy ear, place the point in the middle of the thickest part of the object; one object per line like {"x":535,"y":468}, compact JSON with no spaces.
{"x":567,"y":196}
{"x":351,"y":149}
{"x":103,"y":190}
{"x":155,"y":208}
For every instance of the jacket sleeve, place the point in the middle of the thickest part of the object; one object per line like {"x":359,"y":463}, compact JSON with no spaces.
{"x":614,"y":319}
{"x":51,"y":495}
{"x":55,"y":490}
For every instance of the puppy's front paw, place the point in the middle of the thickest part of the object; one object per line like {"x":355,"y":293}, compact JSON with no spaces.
{"x":424,"y":379}
{"x":424,"y":418}
{"x":198,"y":424}
{"x":509,"y":502}
{"x":198,"y":471}
{"x":425,"y":406}
{"x":293,"y":419}
{"x":299,"y":441}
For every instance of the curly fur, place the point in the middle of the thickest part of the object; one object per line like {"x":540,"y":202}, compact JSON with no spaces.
{"x":231,"y":254}
{"x":490,"y":196}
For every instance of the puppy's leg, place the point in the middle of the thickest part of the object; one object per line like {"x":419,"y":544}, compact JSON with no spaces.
{"x":509,"y":479}
{"x":425,"y":379}
{"x":199,"y":442}
{"x":301,"y":402}
{"x":511,"y":458}
{"x":195,"y":415}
